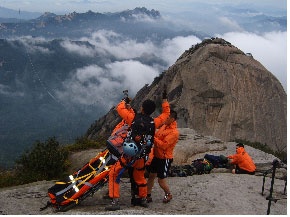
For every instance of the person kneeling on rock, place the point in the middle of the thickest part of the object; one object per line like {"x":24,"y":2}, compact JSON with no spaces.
{"x":242,"y":161}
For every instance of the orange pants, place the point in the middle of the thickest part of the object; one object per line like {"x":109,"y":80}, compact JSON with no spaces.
{"x":138,"y":176}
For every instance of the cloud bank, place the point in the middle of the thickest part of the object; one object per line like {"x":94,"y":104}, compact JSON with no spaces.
{"x":92,"y":84}
{"x":269,"y":49}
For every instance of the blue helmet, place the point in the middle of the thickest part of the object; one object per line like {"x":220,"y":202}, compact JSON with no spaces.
{"x":130,"y":148}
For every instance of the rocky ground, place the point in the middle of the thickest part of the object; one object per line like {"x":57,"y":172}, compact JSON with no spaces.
{"x":217,"y":193}
{"x":210,"y":194}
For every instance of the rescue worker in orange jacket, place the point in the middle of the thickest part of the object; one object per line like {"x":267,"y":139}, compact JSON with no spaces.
{"x":244,"y":164}
{"x":148,"y":107}
{"x":123,"y":122}
{"x":165,"y":140}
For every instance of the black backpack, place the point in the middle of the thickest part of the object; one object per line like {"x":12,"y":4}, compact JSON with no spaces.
{"x":217,"y":161}
{"x":202,"y":166}
{"x":142,"y":132}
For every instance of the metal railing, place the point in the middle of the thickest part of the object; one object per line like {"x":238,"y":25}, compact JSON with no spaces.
{"x":276,"y":164}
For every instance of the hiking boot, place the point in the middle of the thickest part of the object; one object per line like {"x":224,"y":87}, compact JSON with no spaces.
{"x":135,"y":201}
{"x":113,"y":206}
{"x":149,"y":199}
{"x":167,"y":198}
{"x":143,"y":202}
{"x":106,"y":196}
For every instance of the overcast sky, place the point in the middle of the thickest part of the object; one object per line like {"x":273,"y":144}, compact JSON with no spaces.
{"x":269,"y":48}
{"x":61,"y":6}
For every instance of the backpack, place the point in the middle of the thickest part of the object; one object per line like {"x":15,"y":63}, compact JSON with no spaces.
{"x":181,"y":170}
{"x":115,"y":142}
{"x":142,"y":132}
{"x":217,"y":161}
{"x":202,"y":166}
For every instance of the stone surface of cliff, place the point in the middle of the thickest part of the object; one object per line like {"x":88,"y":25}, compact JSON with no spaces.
{"x":220,"y":91}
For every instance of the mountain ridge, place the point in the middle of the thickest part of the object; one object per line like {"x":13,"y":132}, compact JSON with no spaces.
{"x":50,"y":25}
{"x":90,"y":15}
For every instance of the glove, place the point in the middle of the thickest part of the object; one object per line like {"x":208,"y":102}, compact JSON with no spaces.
{"x":164,"y":94}
{"x":127,"y":100}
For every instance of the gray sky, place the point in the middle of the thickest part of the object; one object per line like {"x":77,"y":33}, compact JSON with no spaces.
{"x":61,"y":6}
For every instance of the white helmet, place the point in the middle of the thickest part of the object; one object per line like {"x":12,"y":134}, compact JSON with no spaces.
{"x":130,"y":148}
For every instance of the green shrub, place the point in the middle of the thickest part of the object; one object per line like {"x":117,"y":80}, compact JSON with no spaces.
{"x":8,"y":178}
{"x":45,"y":161}
{"x":83,"y":143}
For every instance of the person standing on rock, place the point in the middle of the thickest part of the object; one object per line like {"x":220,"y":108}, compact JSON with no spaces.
{"x":119,"y":128}
{"x":242,"y":161}
{"x":165,"y":140}
{"x":138,"y":173}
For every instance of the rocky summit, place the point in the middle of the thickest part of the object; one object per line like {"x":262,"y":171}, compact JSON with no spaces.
{"x":220,"y":91}
{"x":216,"y":193}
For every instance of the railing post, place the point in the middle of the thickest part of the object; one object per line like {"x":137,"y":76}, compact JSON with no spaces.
{"x":270,"y":198}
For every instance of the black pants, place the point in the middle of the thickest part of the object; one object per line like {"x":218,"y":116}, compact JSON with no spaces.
{"x":238,"y":170}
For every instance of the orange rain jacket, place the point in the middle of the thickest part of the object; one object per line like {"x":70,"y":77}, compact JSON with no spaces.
{"x":129,"y":116}
{"x":243,"y":160}
{"x":165,"y":140}
{"x":139,"y":165}
{"x":122,"y":122}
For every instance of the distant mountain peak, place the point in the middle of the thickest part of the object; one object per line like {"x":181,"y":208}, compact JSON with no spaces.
{"x":139,"y":14}
{"x":90,"y":15}
{"x":152,"y":13}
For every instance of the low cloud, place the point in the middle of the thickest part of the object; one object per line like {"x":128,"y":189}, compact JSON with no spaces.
{"x":33,"y":45}
{"x":139,"y":18}
{"x":119,"y":46}
{"x":93,"y":83}
{"x":111,"y":44}
{"x":81,"y":50}
{"x":6,"y":91}
{"x":133,"y":74}
{"x":96,"y":85}
{"x":269,"y":49}
{"x":230,"y":24}
{"x":171,"y":49}
{"x":87,"y":86}
{"x":101,"y":85}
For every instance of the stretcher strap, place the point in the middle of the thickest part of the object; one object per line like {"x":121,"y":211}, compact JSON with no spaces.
{"x":88,"y":184}
{"x":70,"y":199}
{"x":104,"y":154}
{"x":77,"y":181}
{"x":88,"y":177}
{"x":64,"y":190}
{"x":104,"y":164}
{"x":95,"y":172}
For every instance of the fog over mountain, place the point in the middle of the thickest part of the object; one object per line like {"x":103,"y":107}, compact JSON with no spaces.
{"x":58,"y":78}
